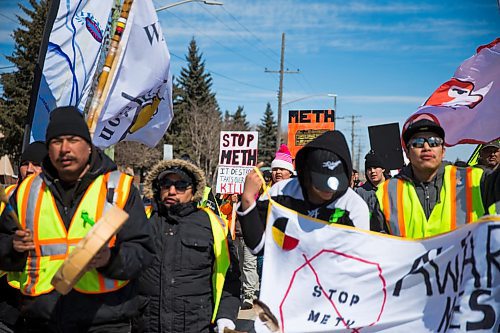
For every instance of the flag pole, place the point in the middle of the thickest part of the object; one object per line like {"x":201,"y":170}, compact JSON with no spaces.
{"x":51,"y":18}
{"x":109,"y":67}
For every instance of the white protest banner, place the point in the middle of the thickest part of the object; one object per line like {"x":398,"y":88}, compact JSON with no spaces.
{"x":329,"y":278}
{"x":238,"y":155}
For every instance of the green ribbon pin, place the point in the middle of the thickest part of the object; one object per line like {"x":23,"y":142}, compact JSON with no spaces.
{"x":337,"y":214}
{"x":87,"y":219}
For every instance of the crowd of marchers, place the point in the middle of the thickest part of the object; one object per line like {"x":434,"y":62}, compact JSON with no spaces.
{"x":186,"y":260}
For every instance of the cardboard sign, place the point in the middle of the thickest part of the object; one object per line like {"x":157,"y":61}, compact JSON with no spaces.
{"x":305,"y":125}
{"x":238,"y":155}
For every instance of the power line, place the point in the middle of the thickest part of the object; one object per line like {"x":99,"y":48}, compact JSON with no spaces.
{"x":227,"y":77}
{"x":272,"y":51}
{"x":300,"y":82}
{"x":267,"y":48}
{"x":9,"y":18}
{"x":214,"y":40}
{"x":255,"y":46}
{"x":255,"y":36}
{"x":241,"y":82}
{"x":176,"y":56}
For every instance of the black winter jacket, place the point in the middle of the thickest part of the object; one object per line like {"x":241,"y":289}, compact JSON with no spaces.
{"x":179,"y":282}
{"x":132,"y":253}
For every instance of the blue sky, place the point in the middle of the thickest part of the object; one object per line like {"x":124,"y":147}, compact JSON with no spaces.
{"x":382,"y":58}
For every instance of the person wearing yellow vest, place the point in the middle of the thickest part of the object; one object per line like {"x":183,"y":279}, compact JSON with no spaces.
{"x":429,"y":196}
{"x":31,"y":163}
{"x":193,"y":284}
{"x":57,"y":208}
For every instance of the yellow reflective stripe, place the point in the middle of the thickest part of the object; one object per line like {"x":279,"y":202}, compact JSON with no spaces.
{"x":149,"y":210}
{"x":222,"y":257}
{"x":478,"y":209}
{"x":383,"y":201}
{"x":8,"y":192}
{"x":493,"y":210}
{"x":13,"y":279}
{"x":206,"y":193}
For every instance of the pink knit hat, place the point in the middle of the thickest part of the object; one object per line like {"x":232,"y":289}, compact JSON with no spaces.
{"x":283,"y":159}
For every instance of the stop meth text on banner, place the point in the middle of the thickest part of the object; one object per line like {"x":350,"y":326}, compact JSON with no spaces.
{"x":238,"y":155}
{"x":331,"y":278}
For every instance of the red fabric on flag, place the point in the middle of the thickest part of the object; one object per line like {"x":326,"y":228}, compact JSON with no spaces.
{"x":468,"y":105}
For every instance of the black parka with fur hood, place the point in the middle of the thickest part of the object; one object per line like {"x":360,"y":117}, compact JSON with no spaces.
{"x":179,"y":282}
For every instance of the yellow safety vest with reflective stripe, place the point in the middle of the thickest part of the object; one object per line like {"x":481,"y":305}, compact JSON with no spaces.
{"x":8,"y":192}
{"x":460,"y":203}
{"x":493,"y":210}
{"x":53,"y":242}
{"x":148,"y":209}
{"x":222,"y":259}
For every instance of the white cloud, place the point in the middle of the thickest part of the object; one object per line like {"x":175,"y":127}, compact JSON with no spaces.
{"x":384,"y":99}
{"x":312,"y":27}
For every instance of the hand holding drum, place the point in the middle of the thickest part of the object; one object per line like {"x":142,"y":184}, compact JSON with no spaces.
{"x":91,"y":252}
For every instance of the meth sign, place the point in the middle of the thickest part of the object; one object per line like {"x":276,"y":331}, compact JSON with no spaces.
{"x":238,"y":156}
{"x":305,"y":125}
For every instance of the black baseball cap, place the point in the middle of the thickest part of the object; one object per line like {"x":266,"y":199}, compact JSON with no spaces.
{"x":185,"y":176}
{"x":419,"y":126}
{"x":327,"y":172}
{"x":494,"y":144}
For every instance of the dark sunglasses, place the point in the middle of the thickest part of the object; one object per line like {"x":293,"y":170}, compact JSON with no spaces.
{"x":180,"y":185}
{"x":433,"y":141}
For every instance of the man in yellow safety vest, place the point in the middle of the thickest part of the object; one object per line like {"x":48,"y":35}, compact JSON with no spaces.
{"x":56,"y":209}
{"x":429,"y":197}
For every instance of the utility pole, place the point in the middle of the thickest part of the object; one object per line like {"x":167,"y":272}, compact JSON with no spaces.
{"x":353,"y":122}
{"x":358,"y":164}
{"x":280,"y":91}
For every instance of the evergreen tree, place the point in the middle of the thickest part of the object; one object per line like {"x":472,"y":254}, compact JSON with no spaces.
{"x":17,"y":84}
{"x":236,"y":121}
{"x":240,"y":120}
{"x":267,"y":136}
{"x":197,"y":118}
